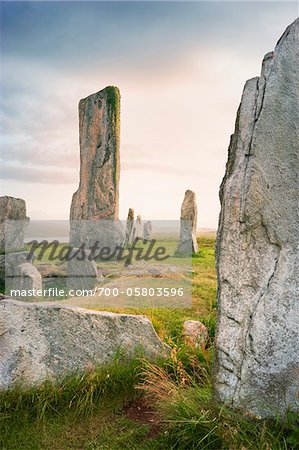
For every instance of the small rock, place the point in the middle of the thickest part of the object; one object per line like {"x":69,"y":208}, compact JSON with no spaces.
{"x":154,"y":271}
{"x":195,"y":333}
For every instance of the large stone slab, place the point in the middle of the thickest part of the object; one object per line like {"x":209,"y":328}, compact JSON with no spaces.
{"x":48,"y":341}
{"x":257,"y":342}
{"x":97,"y":198}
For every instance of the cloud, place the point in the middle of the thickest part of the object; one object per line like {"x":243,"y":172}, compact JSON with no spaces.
{"x":37,"y":175}
{"x":81,"y":36}
{"x":147,"y":166}
{"x":181,"y":68}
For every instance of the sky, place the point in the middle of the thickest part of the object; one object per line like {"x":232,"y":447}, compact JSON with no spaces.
{"x":180,"y":67}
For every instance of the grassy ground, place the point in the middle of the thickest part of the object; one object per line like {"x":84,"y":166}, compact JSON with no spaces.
{"x":138,"y":405}
{"x":168,"y":322}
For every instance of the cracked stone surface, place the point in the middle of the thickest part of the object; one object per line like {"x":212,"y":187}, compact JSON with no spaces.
{"x":97,"y":198}
{"x":257,"y":341}
{"x":49,"y":341}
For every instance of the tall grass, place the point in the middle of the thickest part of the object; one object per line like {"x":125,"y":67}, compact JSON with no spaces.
{"x":182,"y":395}
{"x":82,"y":393}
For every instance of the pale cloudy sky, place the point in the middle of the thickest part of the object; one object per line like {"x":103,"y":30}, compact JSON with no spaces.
{"x":180,"y":67}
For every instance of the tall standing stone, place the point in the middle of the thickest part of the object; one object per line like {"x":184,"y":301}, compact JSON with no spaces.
{"x":147,"y":230}
{"x":138,"y":229}
{"x":129,"y":226}
{"x":16,"y":270}
{"x":257,"y":342}
{"x":94,"y":208}
{"x":99,"y":132}
{"x":13,"y":221}
{"x":188,"y":241}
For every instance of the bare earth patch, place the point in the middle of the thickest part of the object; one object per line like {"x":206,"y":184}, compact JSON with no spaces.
{"x":139,"y":410}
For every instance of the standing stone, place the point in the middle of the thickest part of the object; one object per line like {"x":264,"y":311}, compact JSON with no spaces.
{"x":188,"y":241}
{"x":94,"y":208}
{"x":257,"y":342}
{"x":13,"y":221}
{"x":97,"y":198}
{"x":138,"y":229}
{"x":12,"y":227}
{"x":129,"y":227}
{"x":81,"y":271}
{"x":99,"y":133}
{"x":147,"y":230}
{"x":16,"y":271}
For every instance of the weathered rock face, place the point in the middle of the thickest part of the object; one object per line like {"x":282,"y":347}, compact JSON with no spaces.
{"x":129,"y":226}
{"x":99,"y":119}
{"x":49,"y":341}
{"x":257,"y":343}
{"x":13,"y":221}
{"x":97,"y":197}
{"x":188,"y":242}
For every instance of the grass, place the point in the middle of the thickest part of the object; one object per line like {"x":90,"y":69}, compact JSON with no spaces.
{"x":42,"y":417}
{"x":88,"y":412}
{"x":183,"y":397}
{"x":168,"y":322}
{"x":173,"y":397}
